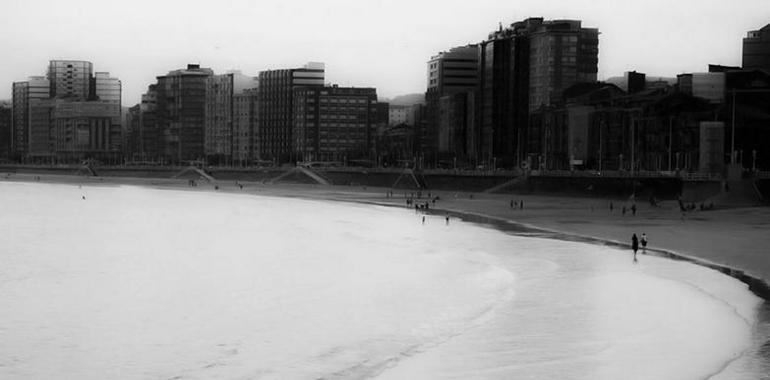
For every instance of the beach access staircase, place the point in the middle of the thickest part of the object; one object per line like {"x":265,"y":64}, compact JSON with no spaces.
{"x":87,"y":170}
{"x":737,"y":193}
{"x":501,"y":187}
{"x":196,"y":171}
{"x":411,"y":176}
{"x":315,"y":176}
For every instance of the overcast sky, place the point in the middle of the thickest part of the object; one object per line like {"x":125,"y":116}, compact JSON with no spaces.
{"x":364,"y":43}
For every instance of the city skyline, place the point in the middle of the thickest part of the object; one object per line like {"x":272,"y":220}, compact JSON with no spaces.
{"x":384,"y":45}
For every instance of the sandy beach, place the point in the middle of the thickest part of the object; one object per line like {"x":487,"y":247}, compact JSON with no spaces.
{"x":734,"y":239}
{"x":730,"y":240}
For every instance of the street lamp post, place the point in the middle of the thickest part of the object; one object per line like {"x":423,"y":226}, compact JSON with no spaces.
{"x":670,"y":140}
{"x":732,"y":138}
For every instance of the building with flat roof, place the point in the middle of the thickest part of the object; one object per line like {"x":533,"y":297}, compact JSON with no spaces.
{"x":107,"y":88}
{"x":5,"y":130}
{"x":756,"y":49}
{"x":275,"y":109}
{"x":334,"y":123}
{"x":245,"y":124}
{"x":85,"y":129}
{"x":449,"y":73}
{"x":35,"y":88}
{"x":523,"y":69}
{"x":70,"y":79}
{"x":180,"y":113}
{"x":220,"y":109}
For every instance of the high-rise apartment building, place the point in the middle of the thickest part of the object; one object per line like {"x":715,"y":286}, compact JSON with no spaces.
{"x":5,"y":130}
{"x":41,"y":140}
{"x":245,"y":113}
{"x":525,"y":68}
{"x":70,"y":79}
{"x":181,"y":100}
{"x":220,"y":109}
{"x":62,"y":116}
{"x":561,"y":54}
{"x":334,"y":123}
{"x":24,"y":93}
{"x":756,"y":49}
{"x":219,"y":118}
{"x":276,"y":96}
{"x":449,"y":73}
{"x":107,"y":88}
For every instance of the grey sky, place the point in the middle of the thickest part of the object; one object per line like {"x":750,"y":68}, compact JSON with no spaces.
{"x":365,"y":43}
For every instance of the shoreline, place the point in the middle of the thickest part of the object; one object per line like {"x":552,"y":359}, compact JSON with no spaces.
{"x":467,"y":208}
{"x":537,"y":219}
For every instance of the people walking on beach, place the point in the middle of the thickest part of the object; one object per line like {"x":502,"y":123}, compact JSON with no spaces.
{"x":447,"y":219}
{"x":521,"y":204}
{"x":634,"y":245}
{"x":633,"y":209}
{"x":423,"y":219}
{"x":611,"y":206}
{"x":511,"y":203}
{"x":644,"y":243}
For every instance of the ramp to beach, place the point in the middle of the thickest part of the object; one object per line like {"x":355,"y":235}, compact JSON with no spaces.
{"x":194,"y":170}
{"x":317,"y":177}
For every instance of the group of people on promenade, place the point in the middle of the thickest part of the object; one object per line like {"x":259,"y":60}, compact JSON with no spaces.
{"x":517,"y":204}
{"x":625,"y":208}
{"x":635,"y":244}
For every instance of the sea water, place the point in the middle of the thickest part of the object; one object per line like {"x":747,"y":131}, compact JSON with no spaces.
{"x":134,"y":283}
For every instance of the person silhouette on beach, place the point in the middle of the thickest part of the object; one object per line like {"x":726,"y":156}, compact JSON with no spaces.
{"x":634,"y":245}
{"x":644,"y":243}
{"x":447,"y":219}
{"x":423,"y":219}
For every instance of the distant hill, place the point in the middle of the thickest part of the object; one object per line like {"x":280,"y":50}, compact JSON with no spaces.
{"x":407,"y":100}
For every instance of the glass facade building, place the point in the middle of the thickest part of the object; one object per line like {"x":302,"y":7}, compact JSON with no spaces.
{"x":70,"y":79}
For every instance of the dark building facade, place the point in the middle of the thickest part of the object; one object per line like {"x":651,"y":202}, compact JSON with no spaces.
{"x":36,"y":88}
{"x":85,"y":129}
{"x":71,"y":80}
{"x":67,"y":116}
{"x":746,"y":114}
{"x":457,"y":133}
{"x":334,"y":123}
{"x":220,"y":137}
{"x":5,"y":131}
{"x":275,"y":109}
{"x":148,"y":139}
{"x":245,"y":123}
{"x":600,"y":127}
{"x":180,"y":113}
{"x":523,"y":69}
{"x":756,"y":50}
{"x":449,"y":73}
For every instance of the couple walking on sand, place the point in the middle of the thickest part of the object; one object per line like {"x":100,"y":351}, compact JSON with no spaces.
{"x":635,"y":244}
